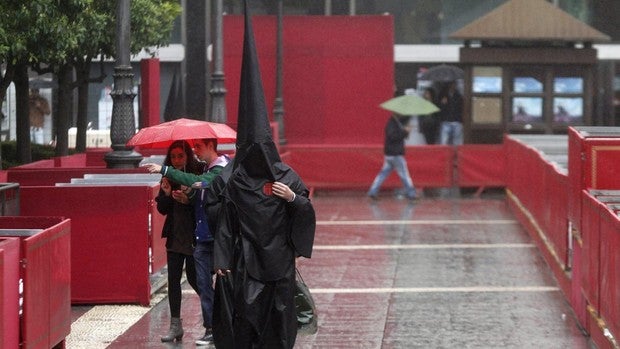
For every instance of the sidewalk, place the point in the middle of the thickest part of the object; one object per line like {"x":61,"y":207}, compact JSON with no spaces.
{"x":439,"y":273}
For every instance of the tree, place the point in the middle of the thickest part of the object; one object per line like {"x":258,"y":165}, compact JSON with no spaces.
{"x":151,"y":24}
{"x":19,"y":32}
{"x":63,"y":37}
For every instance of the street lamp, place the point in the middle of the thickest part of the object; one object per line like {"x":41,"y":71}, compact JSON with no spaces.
{"x":278,"y":107}
{"x":218,"y":91}
{"x":123,"y":123}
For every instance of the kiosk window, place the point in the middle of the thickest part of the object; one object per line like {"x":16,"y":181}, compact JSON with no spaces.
{"x":527,"y":109}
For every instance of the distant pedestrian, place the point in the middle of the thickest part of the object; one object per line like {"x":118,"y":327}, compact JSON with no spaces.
{"x":429,"y":124}
{"x":39,"y":107}
{"x":451,"y":114}
{"x":397,"y":129}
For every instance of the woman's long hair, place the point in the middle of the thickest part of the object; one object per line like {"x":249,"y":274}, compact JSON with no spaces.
{"x":193,"y":165}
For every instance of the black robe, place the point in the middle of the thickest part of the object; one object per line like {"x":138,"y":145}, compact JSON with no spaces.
{"x":258,"y":234}
{"x":258,"y":238}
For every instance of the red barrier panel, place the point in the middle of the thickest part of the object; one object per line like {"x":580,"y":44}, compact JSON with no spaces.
{"x":94,"y":157}
{"x":610,"y":270}
{"x":592,"y":160}
{"x":53,"y":175}
{"x":47,"y":281}
{"x":591,"y":256}
{"x":158,"y":245}
{"x":111,"y":238}
{"x":577,"y":300}
{"x":345,"y":62}
{"x":9,"y":292}
{"x":600,"y":281}
{"x":523,"y":167}
{"x":537,"y":193}
{"x":555,"y":212}
{"x":481,"y":165}
{"x":355,"y":166}
{"x":46,"y":269}
{"x":544,"y":199}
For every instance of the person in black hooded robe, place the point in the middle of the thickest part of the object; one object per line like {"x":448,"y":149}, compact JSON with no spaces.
{"x":266,"y":221}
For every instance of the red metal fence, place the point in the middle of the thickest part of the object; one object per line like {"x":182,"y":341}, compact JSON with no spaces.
{"x":115,"y":244}
{"x":355,"y":166}
{"x":43,"y":263}
{"x":9,"y":292}
{"x":575,"y":227}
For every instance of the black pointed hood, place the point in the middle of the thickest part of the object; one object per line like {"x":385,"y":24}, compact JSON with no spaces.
{"x":256,"y":150}
{"x":259,"y":234}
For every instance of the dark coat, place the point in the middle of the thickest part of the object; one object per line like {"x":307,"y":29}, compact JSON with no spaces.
{"x":179,"y":224}
{"x":258,"y":238}
{"x":451,"y":106}
{"x":272,"y":231}
{"x":395,"y":135}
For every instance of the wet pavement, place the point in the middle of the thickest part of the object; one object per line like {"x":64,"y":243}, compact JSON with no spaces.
{"x":436,"y":273}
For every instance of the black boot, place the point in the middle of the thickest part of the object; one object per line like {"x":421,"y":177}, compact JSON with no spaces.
{"x":175,"y":331}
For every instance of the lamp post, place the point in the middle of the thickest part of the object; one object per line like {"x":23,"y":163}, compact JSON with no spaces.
{"x":278,"y":105}
{"x":123,"y":124}
{"x":218,"y":91}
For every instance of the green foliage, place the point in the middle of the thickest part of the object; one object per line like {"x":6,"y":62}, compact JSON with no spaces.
{"x":152,"y":22}
{"x":62,"y":34}
{"x":57,"y":32}
{"x":39,"y":152}
{"x":4,"y":44}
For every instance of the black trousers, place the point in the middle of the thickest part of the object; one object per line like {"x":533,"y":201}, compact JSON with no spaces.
{"x":175,"y":271}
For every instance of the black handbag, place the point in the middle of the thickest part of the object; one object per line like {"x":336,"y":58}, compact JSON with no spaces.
{"x":307,"y":319}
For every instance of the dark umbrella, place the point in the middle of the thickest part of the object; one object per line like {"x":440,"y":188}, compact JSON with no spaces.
{"x":223,"y":310}
{"x":443,"y":73}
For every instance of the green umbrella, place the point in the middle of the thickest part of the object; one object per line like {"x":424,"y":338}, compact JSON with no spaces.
{"x":409,"y":105}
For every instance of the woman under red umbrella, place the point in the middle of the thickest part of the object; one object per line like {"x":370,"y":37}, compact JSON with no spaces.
{"x":172,"y":201}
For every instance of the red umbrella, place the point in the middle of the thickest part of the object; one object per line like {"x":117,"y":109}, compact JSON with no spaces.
{"x":162,"y":135}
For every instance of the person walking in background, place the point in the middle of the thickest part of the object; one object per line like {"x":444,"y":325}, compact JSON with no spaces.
{"x":38,"y":108}
{"x":397,"y":129}
{"x":429,"y":124}
{"x":172,"y":201}
{"x":206,"y":150}
{"x":451,"y":115}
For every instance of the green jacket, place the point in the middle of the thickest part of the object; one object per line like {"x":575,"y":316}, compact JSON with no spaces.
{"x":188,"y":179}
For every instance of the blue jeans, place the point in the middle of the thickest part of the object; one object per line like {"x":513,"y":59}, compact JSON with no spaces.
{"x":393,"y":163}
{"x":203,"y":260}
{"x":451,"y":133}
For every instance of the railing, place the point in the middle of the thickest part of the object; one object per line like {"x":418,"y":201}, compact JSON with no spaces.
{"x":35,"y":251}
{"x":9,"y":199}
{"x":572,"y":216}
